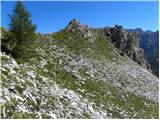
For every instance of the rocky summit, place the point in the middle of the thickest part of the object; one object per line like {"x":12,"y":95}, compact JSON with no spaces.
{"x":80,"y":72}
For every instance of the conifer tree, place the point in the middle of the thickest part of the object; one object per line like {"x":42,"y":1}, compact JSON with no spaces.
{"x":21,"y":28}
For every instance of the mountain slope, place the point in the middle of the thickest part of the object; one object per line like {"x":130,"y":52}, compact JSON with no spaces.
{"x":77,"y":73}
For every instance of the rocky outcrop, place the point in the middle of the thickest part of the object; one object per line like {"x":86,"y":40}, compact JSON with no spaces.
{"x":75,"y":26}
{"x":149,"y":42}
{"x":128,"y":43}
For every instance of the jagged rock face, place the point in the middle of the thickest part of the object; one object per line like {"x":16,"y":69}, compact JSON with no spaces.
{"x":72,"y":77}
{"x":128,"y":43}
{"x":149,"y":42}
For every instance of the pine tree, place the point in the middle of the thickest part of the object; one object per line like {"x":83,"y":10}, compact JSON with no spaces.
{"x":21,"y":28}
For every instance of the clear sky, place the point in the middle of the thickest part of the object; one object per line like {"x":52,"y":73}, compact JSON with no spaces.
{"x":50,"y":16}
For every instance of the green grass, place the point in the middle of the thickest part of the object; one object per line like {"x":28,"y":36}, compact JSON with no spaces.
{"x":103,"y":48}
{"x":74,"y":41}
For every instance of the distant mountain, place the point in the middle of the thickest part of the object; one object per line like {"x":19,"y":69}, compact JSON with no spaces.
{"x":149,"y":41}
{"x":139,"y":30}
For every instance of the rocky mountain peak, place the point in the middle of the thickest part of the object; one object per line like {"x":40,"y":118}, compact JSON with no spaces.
{"x":73,"y":23}
{"x":75,"y":26}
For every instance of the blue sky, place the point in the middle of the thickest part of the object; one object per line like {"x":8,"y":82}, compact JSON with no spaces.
{"x":52,"y":16}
